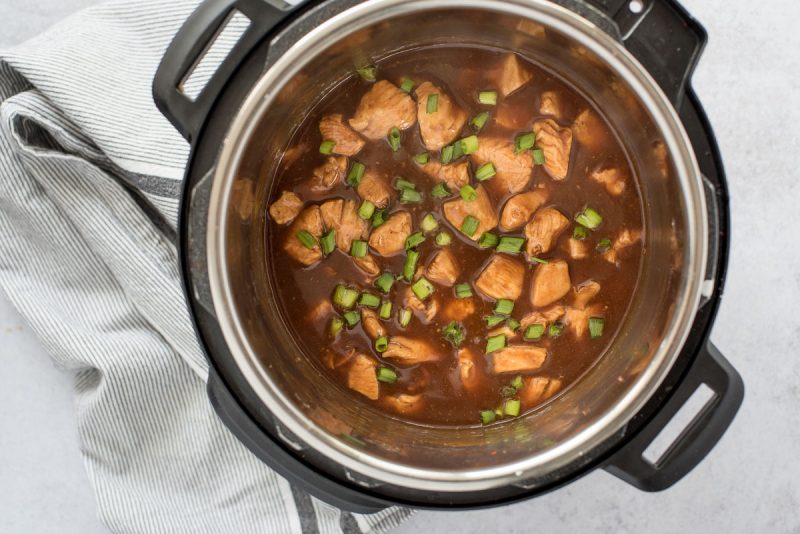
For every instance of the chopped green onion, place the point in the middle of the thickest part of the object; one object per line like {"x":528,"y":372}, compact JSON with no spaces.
{"x":385,"y":282}
{"x":414,"y":240}
{"x":555,"y":329}
{"x":386,"y":310}
{"x":513,"y":324}
{"x":463,"y":291}
{"x":458,"y":150}
{"x":345,"y":297}
{"x":589,"y":218}
{"x":366,"y":210}
{"x":580,"y":232}
{"x":401,"y":183}
{"x":306,"y":239}
{"x":385,"y":374}
{"x":524,"y":142}
{"x":410,"y":267}
{"x":488,"y":240}
{"x":447,"y":154}
{"x":536,"y":259}
{"x":381,"y":344}
{"x":378,"y":218}
{"x":469,"y":144}
{"x":504,"y":307}
{"x":511,"y":407}
{"x":335,"y":326}
{"x":443,"y":239}
{"x":494,"y":320}
{"x":508,"y":391}
{"x":432,"y":105}
{"x":468,"y":193}
{"x":326,"y":147}
{"x":485,"y":171}
{"x":422,"y":159}
{"x":407,"y":85}
{"x":479,"y":121}
{"x":596,"y":325}
{"x":422,"y":288}
{"x":603,"y":245}
{"x":488,"y":98}
{"x":328,"y":242}
{"x":538,"y":156}
{"x":517,"y":383}
{"x":367,"y":73}
{"x":369,"y":300}
{"x":410,"y":195}
{"x":534,"y":331}
{"x":359,"y":248}
{"x":495,"y":343}
{"x":512,"y":245}
{"x":441,"y":190}
{"x":394,"y":139}
{"x":355,"y":174}
{"x":469,"y":226}
{"x":429,"y":223}
{"x":404,"y":317}
{"x":454,"y":333}
{"x":487,"y":416}
{"x":352,"y":318}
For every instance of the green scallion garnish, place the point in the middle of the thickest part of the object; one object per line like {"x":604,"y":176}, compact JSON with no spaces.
{"x":463,"y":291}
{"x":407,"y":85}
{"x":603,"y":245}
{"x":508,"y":391}
{"x":414,"y":240}
{"x":386,"y":310}
{"x":458,"y":150}
{"x":469,"y":226}
{"x":538,"y":156}
{"x":335,"y":326}
{"x":580,"y":232}
{"x":401,"y":183}
{"x":344,"y":297}
{"x":441,"y":190}
{"x":511,"y":245}
{"x":479,"y":120}
{"x":410,"y":267}
{"x":328,"y":242}
{"x":485,"y":171}
{"x":429,"y":223}
{"x":513,"y":324}
{"x":468,"y":193}
{"x":469,"y":144}
{"x":366,"y":210}
{"x":410,"y":196}
{"x":352,"y":318}
{"x":447,"y":155}
{"x":556,"y":329}
{"x":534,"y":332}
{"x":443,"y":239}
{"x":355,"y":174}
{"x":369,"y":300}
{"x":488,"y":240}
{"x":495,"y":343}
{"x":394,"y":139}
{"x":422,"y":159}
{"x":326,"y":147}
{"x":511,"y":407}
{"x":381,"y":344}
{"x":432,"y":105}
{"x":488,"y":98}
{"x":504,"y":307}
{"x":385,"y":374}
{"x":589,"y":218}
{"x":422,"y":288}
{"x":454,"y":333}
{"x":487,"y":417}
{"x":358,"y":249}
{"x":368,"y":73}
{"x":306,"y":239}
{"x":539,"y":260}
{"x":404,"y":317}
{"x":494,"y":320}
{"x":524,"y":142}
{"x":378,"y":218}
{"x":385,"y":282}
{"x":596,"y":325}
{"x":517,"y":383}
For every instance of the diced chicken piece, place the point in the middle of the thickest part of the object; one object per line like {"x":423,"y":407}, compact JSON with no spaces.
{"x":543,"y":317}
{"x":458,"y":309}
{"x":519,"y":208}
{"x":286,"y":208}
{"x":578,"y":319}
{"x":469,"y":369}
{"x":556,"y":143}
{"x":404,"y":403}
{"x":329,"y":174}
{"x":513,"y":170}
{"x":342,"y":216}
{"x":374,"y":188}
{"x":368,"y":265}
{"x":576,"y":248}
{"x":443,"y":126}
{"x":590,"y":130}
{"x":361,"y":376}
{"x":551,"y":104}
{"x":426,"y":311}
{"x":625,"y":239}
{"x":543,"y":231}
{"x":321,"y":311}
{"x":518,"y":359}
{"x":409,"y":351}
{"x":384,"y":107}
{"x":481,"y":208}
{"x":444,"y":268}
{"x":372,"y":324}
{"x":348,"y":142}
{"x":612,"y":179}
{"x":538,"y":389}
{"x":390,"y":238}
{"x":513,"y":74}
{"x":502,"y":278}
{"x":309,"y":220}
{"x":455,"y":175}
{"x":550,"y":283}
{"x":334,"y":360}
{"x":582,"y":294}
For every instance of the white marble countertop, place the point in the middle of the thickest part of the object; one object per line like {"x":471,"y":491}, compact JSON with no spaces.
{"x":749,"y":81}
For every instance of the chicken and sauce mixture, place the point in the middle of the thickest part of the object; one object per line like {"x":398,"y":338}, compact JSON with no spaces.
{"x":456,"y":235}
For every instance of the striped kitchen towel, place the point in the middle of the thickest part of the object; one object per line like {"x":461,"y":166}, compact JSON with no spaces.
{"x":89,"y":180}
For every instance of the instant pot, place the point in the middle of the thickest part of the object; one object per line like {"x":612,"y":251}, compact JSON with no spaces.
{"x":634,"y":61}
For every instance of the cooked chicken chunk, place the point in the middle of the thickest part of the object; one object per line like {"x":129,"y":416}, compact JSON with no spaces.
{"x":612,"y":179}
{"x":329,"y":174}
{"x":309,"y":220}
{"x":348,"y":142}
{"x":404,"y":403}
{"x":625,"y":239}
{"x":372,"y":324}
{"x":469,"y":369}
{"x":444,"y":268}
{"x":519,"y":208}
{"x":286,"y":208}
{"x":518,"y":359}
{"x":455,"y":211}
{"x":503,"y":330}
{"x":458,"y":309}
{"x":409,"y":351}
{"x":426,"y":311}
{"x":384,"y":107}
{"x":576,"y":248}
{"x":556,"y":143}
{"x":361,"y":376}
{"x":374,"y":187}
{"x":455,"y":175}
{"x":551,"y":104}
{"x":550,"y":283}
{"x":513,"y":75}
{"x":342,"y":216}
{"x":368,"y":265}
{"x":390,"y":238}
{"x":582,"y":294}
{"x":502,"y":278}
{"x":443,"y":126}
{"x":590,"y":130}
{"x":578,"y":319}
{"x":321,"y":311}
{"x":334,"y":360}
{"x":513,"y":170}
{"x":538,"y":389}
{"x":543,"y":231}
{"x":543,"y":317}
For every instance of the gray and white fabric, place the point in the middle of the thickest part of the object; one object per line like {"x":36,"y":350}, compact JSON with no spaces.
{"x":89,"y":180}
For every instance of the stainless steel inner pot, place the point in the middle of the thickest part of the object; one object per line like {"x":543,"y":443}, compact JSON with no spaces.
{"x":308,"y":409}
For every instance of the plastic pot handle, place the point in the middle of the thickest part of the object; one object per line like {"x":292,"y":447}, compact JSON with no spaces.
{"x":697,"y":439}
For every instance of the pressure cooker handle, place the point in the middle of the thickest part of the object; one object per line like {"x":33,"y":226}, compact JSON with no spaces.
{"x":190,"y":45}
{"x":698,"y":437}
